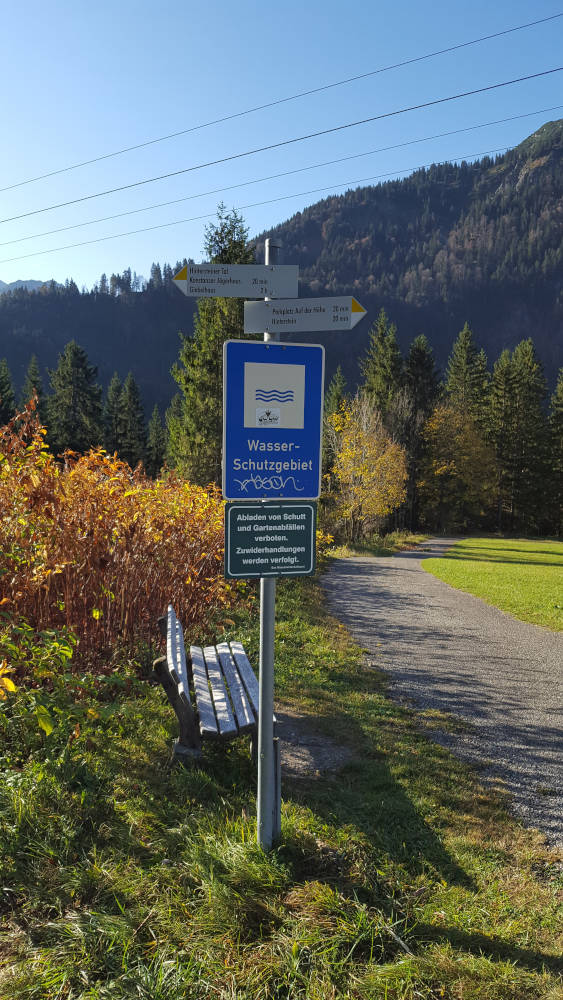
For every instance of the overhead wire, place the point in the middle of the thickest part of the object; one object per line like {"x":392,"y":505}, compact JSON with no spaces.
{"x":283,"y":173}
{"x":285,"y":100}
{"x":256,"y":204}
{"x":286,"y":142}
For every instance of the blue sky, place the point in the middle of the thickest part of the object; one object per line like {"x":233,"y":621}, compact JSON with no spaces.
{"x":82,"y":80}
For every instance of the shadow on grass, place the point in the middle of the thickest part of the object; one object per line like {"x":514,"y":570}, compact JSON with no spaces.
{"x":491,"y":946}
{"x":473,"y":556}
{"x":366,"y":794}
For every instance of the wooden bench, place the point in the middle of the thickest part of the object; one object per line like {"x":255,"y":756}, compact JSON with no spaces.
{"x":213,"y":691}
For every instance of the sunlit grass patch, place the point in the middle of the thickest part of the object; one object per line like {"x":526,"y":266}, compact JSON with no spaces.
{"x":380,"y":545}
{"x":521,"y":577}
{"x":398,"y":875}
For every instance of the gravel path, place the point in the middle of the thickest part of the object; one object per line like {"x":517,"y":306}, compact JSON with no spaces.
{"x":447,"y":650}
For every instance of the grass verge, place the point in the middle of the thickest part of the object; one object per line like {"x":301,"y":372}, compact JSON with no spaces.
{"x":397,"y":877}
{"x":380,"y":545}
{"x":517,"y":575}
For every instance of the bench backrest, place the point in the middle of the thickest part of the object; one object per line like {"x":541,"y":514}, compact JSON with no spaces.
{"x":176,"y":652}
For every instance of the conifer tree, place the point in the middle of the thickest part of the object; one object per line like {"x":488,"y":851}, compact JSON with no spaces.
{"x":530,"y":472}
{"x":334,"y":397}
{"x":33,"y":386}
{"x":382,"y":366}
{"x":7,"y":398}
{"x":156,"y":444}
{"x":335,"y":394}
{"x":111,"y":415}
{"x":176,"y":439}
{"x":74,"y":409}
{"x":195,"y":429}
{"x":457,"y":471}
{"x":467,"y":377}
{"x":131,"y":433}
{"x":156,"y":276}
{"x":421,"y":376}
{"x":556,"y":434}
{"x":417,"y":400}
{"x":500,"y":431}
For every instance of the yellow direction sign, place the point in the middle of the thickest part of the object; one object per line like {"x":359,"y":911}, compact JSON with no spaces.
{"x":303,"y":315}
{"x":254,"y":281}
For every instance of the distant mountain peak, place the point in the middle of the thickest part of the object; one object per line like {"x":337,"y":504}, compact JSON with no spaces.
{"x":31,"y":284}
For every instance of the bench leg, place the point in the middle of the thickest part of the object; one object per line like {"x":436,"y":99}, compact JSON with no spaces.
{"x":189,"y":743}
{"x":186,"y":754}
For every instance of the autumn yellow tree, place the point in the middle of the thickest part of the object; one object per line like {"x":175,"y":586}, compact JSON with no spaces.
{"x":458,"y":471}
{"x":367,"y":481}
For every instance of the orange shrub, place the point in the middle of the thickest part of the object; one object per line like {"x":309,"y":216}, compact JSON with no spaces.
{"x":100,"y":548}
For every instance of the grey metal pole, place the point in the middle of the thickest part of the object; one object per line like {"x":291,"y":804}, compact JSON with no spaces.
{"x":268,"y":787}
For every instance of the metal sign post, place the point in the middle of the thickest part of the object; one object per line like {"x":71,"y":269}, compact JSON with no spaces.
{"x":269,"y":790}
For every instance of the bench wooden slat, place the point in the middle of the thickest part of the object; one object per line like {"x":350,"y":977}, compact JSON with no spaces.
{"x":225,"y":719}
{"x":176,"y":654}
{"x":207,"y":720}
{"x":241,"y":703}
{"x":247,"y":674}
{"x":250,"y":680}
{"x":180,"y":659}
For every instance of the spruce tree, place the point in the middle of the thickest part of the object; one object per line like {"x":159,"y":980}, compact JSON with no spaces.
{"x":421,"y":376}
{"x":195,"y":432}
{"x":556,"y":435}
{"x":111,"y":415}
{"x":131,"y":433}
{"x":335,"y":394}
{"x":334,"y":397}
{"x":176,"y":438}
{"x":33,"y":386}
{"x":7,"y":398}
{"x":500,"y":431}
{"x":74,"y":409}
{"x":156,"y":444}
{"x":467,"y":377}
{"x":530,"y":439}
{"x":418,"y":398}
{"x":382,"y":367}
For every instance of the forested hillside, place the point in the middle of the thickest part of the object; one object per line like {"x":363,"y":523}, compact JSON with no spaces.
{"x":478,"y":242}
{"x":121,"y":328}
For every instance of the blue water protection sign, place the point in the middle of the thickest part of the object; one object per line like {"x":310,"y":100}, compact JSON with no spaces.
{"x":272,"y":420}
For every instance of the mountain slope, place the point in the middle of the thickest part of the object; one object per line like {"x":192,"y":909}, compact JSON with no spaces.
{"x":478,"y":242}
{"x":481,"y":242}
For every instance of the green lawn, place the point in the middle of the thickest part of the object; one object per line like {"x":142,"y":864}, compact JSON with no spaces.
{"x":517,"y":575}
{"x":399,"y":877}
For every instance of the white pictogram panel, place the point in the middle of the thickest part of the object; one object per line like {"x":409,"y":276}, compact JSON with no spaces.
{"x":274,"y":395}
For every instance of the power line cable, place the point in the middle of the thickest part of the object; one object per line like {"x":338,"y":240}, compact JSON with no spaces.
{"x":285,"y":100}
{"x":255,"y":204}
{"x":284,"y":173}
{"x":285,"y":142}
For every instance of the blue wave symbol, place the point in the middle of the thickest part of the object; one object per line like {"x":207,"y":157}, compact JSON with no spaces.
{"x":275,"y":395}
